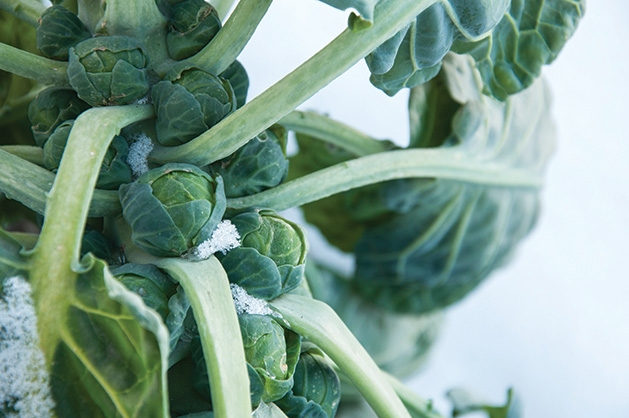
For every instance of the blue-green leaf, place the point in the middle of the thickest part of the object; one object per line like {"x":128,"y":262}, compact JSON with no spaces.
{"x":363,"y":7}
{"x":465,"y":403}
{"x":413,"y":56}
{"x":530,"y":35}
{"x":443,"y":237}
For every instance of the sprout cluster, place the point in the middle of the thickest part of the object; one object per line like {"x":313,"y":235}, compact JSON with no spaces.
{"x":179,"y":209}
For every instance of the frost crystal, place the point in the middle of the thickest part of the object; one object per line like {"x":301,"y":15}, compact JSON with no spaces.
{"x":247,"y":304}
{"x":224,"y":238}
{"x":138,"y":156}
{"x":24,"y":385}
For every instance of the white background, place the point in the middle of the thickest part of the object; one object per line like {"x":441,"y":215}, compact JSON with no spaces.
{"x":554,"y":324}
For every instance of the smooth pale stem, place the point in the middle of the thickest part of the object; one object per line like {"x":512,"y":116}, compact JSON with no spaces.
{"x":27,"y":10}
{"x":55,"y":258}
{"x":284,"y":96}
{"x":317,"y":322}
{"x":325,"y":129}
{"x":29,"y":153}
{"x":417,"y":406}
{"x":29,"y":184}
{"x":229,"y":42}
{"x":27,"y":65}
{"x":451,"y":164}
{"x":207,"y":287}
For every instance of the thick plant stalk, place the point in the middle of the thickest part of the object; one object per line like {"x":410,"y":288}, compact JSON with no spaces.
{"x":317,"y":322}
{"x":27,"y":10}
{"x":232,"y":38}
{"x":55,"y":258}
{"x":329,"y":130}
{"x":429,"y":163}
{"x":27,"y":65}
{"x":298,"y":86}
{"x":206,"y":285}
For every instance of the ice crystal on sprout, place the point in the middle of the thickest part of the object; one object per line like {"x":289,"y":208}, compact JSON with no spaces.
{"x":224,"y":238}
{"x":24,"y":384}
{"x":138,"y":156}
{"x":247,"y":304}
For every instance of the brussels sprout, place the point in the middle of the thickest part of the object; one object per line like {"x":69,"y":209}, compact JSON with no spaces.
{"x":258,"y":165}
{"x":173,"y":208}
{"x":271,"y":352}
{"x":154,"y":286}
{"x":316,"y":389}
{"x":193,"y":24}
{"x":108,"y":70}
{"x":51,"y":108}
{"x":59,"y":29}
{"x":96,"y":243}
{"x":113,"y":172}
{"x":239,"y":80}
{"x":271,"y":259}
{"x":190,"y":105}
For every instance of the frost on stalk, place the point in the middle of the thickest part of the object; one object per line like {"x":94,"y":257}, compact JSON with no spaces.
{"x":224,"y":238}
{"x":247,"y":304}
{"x":24,"y":385}
{"x":138,"y":156}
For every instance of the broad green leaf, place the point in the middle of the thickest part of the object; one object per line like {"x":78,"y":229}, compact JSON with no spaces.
{"x":465,"y":403}
{"x":413,"y":56}
{"x":446,"y":236}
{"x":530,"y":35}
{"x":110,"y":354}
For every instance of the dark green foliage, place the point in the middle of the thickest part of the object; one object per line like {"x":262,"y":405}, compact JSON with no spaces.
{"x":108,"y":70}
{"x":190,"y":105}
{"x":154,"y":286}
{"x":316,"y":389}
{"x":59,"y":29}
{"x":173,"y":208}
{"x":258,"y":165}
{"x":239,"y":80}
{"x":531,"y":35}
{"x":98,"y":244}
{"x":51,"y":108}
{"x":271,"y":259}
{"x":192,"y":26}
{"x":413,"y":56}
{"x":114,"y":170}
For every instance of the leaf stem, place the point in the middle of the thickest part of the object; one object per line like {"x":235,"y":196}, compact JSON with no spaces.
{"x":206,"y":285}
{"x":29,"y":184}
{"x":449,"y":164}
{"x":27,"y":10}
{"x":29,"y":153}
{"x":317,"y":322}
{"x":55,"y":258}
{"x":334,"y":132}
{"x":229,"y":42}
{"x":25,"y":64}
{"x":288,"y":93}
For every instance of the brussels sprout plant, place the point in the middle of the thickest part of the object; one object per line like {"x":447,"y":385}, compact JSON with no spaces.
{"x":147,"y":265}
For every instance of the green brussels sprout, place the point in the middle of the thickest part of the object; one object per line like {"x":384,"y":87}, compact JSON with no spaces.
{"x":258,"y":165}
{"x":190,"y":105}
{"x":154,"y":286}
{"x":114,"y":170}
{"x":239,"y":80}
{"x":272,"y":257}
{"x":51,"y":108}
{"x":96,"y":243}
{"x":108,"y":70}
{"x":271,"y":353}
{"x":316,"y":389}
{"x":59,"y":29}
{"x":193,"y":24}
{"x":173,"y":208}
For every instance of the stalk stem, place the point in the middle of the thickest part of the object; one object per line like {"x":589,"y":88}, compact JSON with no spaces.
{"x":298,"y":86}
{"x":28,"y":11}
{"x":27,"y":65}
